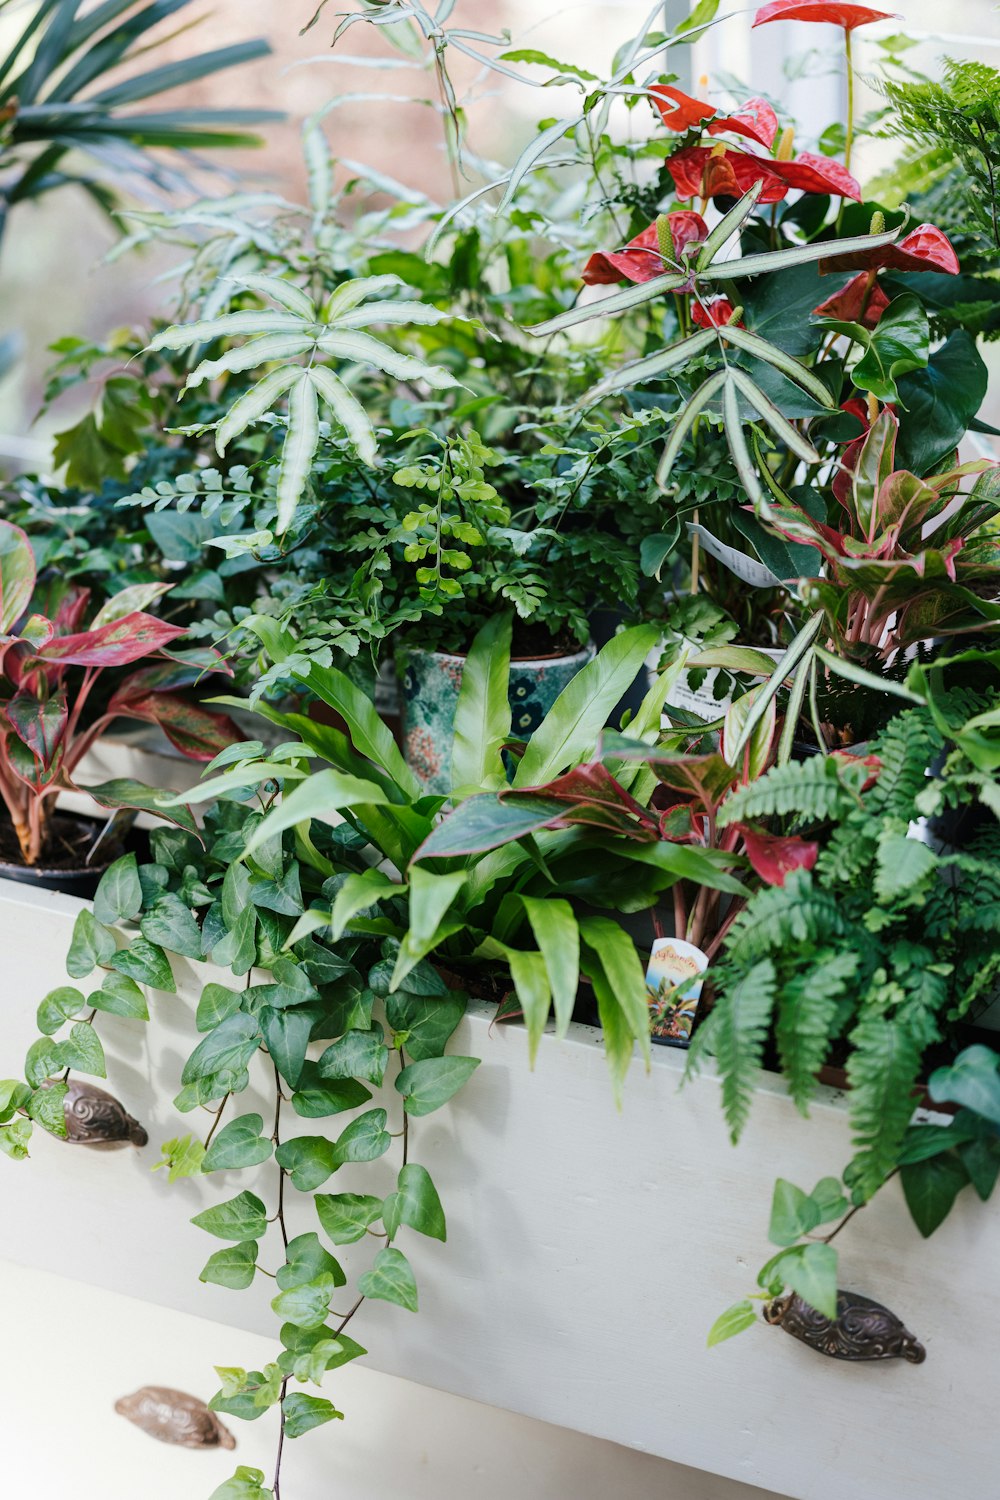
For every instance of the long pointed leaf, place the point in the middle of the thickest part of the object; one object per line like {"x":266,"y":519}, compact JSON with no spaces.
{"x":350,"y":293}
{"x":752,"y":343}
{"x":252,"y":405}
{"x":347,"y":410}
{"x":740,"y":453}
{"x":653,"y":365}
{"x":683,"y":423}
{"x":362,"y":349}
{"x":229,"y":325}
{"x":780,"y":260}
{"x":729,"y":224}
{"x":529,"y":156}
{"x":558,"y":937}
{"x":299,"y":447}
{"x":482,"y":714}
{"x":250,"y":356}
{"x":631,"y":296}
{"x":773,"y":416}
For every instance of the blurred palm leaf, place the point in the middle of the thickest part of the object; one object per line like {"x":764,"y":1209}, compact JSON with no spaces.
{"x":64,"y":114}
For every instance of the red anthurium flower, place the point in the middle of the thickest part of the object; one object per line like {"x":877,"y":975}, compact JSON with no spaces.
{"x":641,"y":260}
{"x":677,"y":110}
{"x":845,"y":15}
{"x":849,"y":305}
{"x":713,"y":314}
{"x":754,"y":119}
{"x":923,"y":249}
{"x":698,"y":172}
{"x":774,"y":858}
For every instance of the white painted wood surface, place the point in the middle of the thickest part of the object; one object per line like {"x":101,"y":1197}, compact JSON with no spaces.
{"x":588,"y":1254}
{"x":397,"y":1439}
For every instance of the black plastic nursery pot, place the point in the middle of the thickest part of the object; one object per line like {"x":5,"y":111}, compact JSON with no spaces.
{"x":72,"y":835}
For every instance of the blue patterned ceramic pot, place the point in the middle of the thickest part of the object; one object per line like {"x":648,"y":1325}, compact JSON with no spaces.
{"x":430,"y":681}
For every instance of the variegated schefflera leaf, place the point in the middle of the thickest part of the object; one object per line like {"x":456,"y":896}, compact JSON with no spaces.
{"x":295,"y":342}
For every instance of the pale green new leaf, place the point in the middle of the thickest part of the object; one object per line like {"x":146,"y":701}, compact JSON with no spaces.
{"x":320,"y":796}
{"x":347,"y":411}
{"x":253,"y":404}
{"x":351,"y":293}
{"x":529,"y":156}
{"x":292,"y":298}
{"x":299,"y":447}
{"x":363,"y":349}
{"x":482,"y":715}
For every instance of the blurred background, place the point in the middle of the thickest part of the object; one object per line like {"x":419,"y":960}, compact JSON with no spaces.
{"x":54,"y":279}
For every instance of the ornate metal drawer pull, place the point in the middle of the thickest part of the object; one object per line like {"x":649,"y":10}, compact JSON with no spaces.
{"x":862,"y":1329}
{"x":175,"y":1417}
{"x":96,"y":1118}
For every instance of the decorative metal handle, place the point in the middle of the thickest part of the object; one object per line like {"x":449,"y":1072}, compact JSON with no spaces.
{"x":863,"y":1330}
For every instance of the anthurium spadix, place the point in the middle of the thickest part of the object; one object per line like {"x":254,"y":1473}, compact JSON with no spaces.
{"x":297,"y":342}
{"x":49,"y":668}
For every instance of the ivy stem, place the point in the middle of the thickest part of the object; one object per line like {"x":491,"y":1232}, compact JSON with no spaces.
{"x":88,"y":1021}
{"x":276,"y":1138}
{"x":216,"y":1121}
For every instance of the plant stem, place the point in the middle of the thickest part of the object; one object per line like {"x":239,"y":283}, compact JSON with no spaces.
{"x":276,"y":1138}
{"x":849,"y":137}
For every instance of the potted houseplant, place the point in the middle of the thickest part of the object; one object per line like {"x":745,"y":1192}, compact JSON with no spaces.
{"x":62,"y":685}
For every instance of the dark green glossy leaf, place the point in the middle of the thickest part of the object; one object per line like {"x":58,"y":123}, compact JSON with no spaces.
{"x":426,"y":1085}
{"x":118,"y":897}
{"x":238,"y":1144}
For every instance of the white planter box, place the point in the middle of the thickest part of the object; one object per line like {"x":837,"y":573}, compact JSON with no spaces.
{"x":588,"y":1253}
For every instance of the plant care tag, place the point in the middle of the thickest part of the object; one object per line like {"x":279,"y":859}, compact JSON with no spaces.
{"x":674,"y":978}
{"x":747,"y":569}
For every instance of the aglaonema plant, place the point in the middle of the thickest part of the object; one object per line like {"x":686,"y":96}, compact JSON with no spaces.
{"x":532,"y":914}
{"x":53,"y":668}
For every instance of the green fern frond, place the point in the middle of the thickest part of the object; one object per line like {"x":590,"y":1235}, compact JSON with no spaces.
{"x":782,"y":915}
{"x":882,"y":1070}
{"x":808,"y":1007}
{"x":906,"y":748}
{"x":815,"y":789}
{"x":734,"y":1035}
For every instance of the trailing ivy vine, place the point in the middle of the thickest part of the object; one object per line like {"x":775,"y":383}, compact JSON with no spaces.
{"x":291,"y":987}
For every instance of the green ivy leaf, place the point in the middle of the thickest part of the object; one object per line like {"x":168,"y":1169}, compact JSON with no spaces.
{"x":972,"y":1080}
{"x":828,"y":1198}
{"x":120,"y":996}
{"x":303,"y":1412}
{"x":239,"y":1144}
{"x":14,"y":1095}
{"x":229,"y":1047}
{"x":390,"y":1279}
{"x":735,"y":1319}
{"x":810,"y":1270}
{"x":305,"y":1260}
{"x":217,"y":1004}
{"x":57,"y":1007}
{"x":144,"y":962}
{"x":233,"y":1267}
{"x":92,"y":946}
{"x":308,"y":1159}
{"x":357,"y":1054}
{"x":14,"y":1139}
{"x":345,"y":1216}
{"x":246,"y":1484}
{"x":793,"y":1214}
{"x":170,"y":924}
{"x":82,"y":1050}
{"x":43,"y":1059}
{"x":286,"y":1033}
{"x":930,"y":1188}
{"x":426,"y":1085}
{"x":365,"y":1139}
{"x":241,"y":1218}
{"x":307,"y":1305}
{"x":238,"y":949}
{"x":118,"y":897}
{"x":416,"y":1203}
{"x":46,"y":1106}
{"x":182,"y":1157}
{"x":315,"y":1098}
{"x":301,"y":1343}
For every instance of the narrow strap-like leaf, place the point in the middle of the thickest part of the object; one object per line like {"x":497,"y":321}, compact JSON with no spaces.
{"x":800,"y":648}
{"x":653,"y":365}
{"x":780,"y":260}
{"x":290,"y":297}
{"x":393,"y":312}
{"x":299,"y":447}
{"x":350,"y":293}
{"x":529,"y":156}
{"x":229,"y":325}
{"x":630,"y":296}
{"x":252,"y":405}
{"x":752,"y":343}
{"x":365,"y":350}
{"x":251,"y":356}
{"x":347,"y":410}
{"x":773,"y":416}
{"x":482,"y":714}
{"x":683,"y":423}
{"x":729,"y":224}
{"x":740,"y":453}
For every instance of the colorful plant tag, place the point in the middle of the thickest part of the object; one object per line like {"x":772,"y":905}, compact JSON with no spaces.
{"x":674,"y":978}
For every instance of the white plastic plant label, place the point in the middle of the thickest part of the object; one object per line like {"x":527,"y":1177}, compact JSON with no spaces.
{"x":674,"y":979}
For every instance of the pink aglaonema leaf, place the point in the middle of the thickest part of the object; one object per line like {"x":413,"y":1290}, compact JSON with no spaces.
{"x":773,"y":857}
{"x":112,"y":645}
{"x":837,"y":14}
{"x":197,"y":732}
{"x":755,"y":119}
{"x":39,"y":723}
{"x":129,"y":601}
{"x":592,"y":796}
{"x":126,"y":792}
{"x":925,"y":248}
{"x":872,"y":763}
{"x":17,"y":575}
{"x":679,"y":825}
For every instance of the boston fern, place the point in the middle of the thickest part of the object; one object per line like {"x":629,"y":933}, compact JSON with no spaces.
{"x":297,"y":335}
{"x":874,"y":959}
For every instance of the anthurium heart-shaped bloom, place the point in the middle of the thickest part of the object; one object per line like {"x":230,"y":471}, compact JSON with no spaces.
{"x":715,"y":313}
{"x":857,"y":302}
{"x":640,"y":259}
{"x":755,"y":119}
{"x":703,"y":171}
{"x":818,"y":174}
{"x":847,"y":16}
{"x":923,"y":249}
{"x":677,"y":110}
